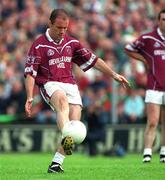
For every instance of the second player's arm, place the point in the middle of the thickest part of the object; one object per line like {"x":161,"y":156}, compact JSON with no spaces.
{"x":135,"y":55}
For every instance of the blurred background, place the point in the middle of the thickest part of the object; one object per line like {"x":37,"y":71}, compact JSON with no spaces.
{"x":115,"y":117}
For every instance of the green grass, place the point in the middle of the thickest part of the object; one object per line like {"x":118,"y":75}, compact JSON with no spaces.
{"x":33,"y":166}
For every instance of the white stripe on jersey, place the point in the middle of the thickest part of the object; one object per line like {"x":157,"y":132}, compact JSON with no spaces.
{"x":30,"y":69}
{"x":69,"y":43}
{"x":88,"y":63}
{"x":130,"y":47}
{"x":34,"y":73}
{"x":44,"y":45}
{"x":151,"y":37}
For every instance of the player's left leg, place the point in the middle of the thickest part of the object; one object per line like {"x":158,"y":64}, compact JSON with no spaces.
{"x":162,"y":150}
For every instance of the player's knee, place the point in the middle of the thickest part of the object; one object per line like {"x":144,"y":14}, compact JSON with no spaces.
{"x":59,"y":101}
{"x":63,"y":103}
{"x":152,"y":124}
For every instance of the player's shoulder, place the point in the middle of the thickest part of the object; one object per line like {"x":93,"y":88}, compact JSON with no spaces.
{"x":71,"y":39}
{"x":40,"y":39}
{"x":150,"y":34}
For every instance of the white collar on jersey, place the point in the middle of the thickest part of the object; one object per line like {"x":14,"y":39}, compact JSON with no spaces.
{"x":160,"y":33}
{"x":50,"y":39}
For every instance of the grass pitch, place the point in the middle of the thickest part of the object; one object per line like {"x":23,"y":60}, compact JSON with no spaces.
{"x":34,"y":166}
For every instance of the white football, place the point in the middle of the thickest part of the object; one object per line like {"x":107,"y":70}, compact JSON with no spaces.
{"x":76,"y":129}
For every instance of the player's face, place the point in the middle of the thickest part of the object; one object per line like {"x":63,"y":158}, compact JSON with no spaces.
{"x":162,"y":22}
{"x":59,"y":28}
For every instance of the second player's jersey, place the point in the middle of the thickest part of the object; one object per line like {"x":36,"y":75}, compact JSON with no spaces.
{"x":49,"y":61}
{"x":152,"y":47}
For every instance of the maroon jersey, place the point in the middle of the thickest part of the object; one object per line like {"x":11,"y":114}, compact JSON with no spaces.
{"x":49,"y":61}
{"x":152,"y":47}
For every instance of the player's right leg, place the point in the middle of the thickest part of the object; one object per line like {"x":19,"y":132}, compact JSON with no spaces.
{"x":153,"y":113}
{"x":59,"y":102}
{"x":55,"y":96}
{"x":57,"y":99}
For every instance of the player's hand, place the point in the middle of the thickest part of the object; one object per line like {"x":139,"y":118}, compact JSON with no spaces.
{"x":121,"y":79}
{"x":28,"y":107}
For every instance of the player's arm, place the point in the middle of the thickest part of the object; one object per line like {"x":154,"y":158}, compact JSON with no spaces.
{"x":33,"y":61}
{"x":134,"y":50}
{"x":104,"y":68}
{"x":135,"y":55}
{"x":29,"y":86}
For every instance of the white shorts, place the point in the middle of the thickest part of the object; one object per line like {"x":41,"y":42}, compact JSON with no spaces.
{"x":71,"y":91}
{"x":156,"y":97}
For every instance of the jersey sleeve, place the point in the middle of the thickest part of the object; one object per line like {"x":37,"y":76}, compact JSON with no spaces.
{"x":83,"y":57}
{"x":33,"y":59}
{"x":137,"y":46}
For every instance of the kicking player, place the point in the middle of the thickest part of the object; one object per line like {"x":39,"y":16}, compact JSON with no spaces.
{"x":49,"y":64}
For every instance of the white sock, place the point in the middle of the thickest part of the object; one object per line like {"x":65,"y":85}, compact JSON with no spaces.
{"x":147,"y":151}
{"x":58,"y":158}
{"x":162,"y":150}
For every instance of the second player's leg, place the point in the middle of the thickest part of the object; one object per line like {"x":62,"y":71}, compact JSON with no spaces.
{"x":153,"y":114}
{"x":162,"y":150}
{"x":163,"y":125}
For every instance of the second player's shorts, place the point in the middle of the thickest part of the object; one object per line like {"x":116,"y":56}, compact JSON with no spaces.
{"x":156,"y":97}
{"x":71,"y":91}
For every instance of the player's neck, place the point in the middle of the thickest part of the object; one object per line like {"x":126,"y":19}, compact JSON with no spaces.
{"x":55,"y":38}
